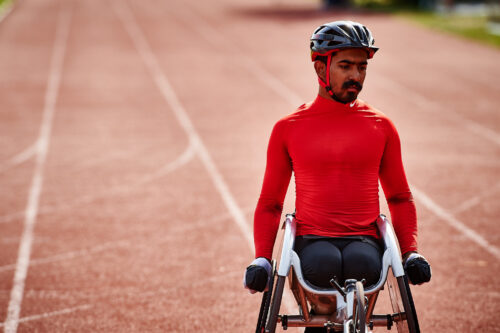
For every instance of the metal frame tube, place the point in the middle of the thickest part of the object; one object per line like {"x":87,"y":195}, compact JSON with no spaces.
{"x":303,"y":304}
{"x":316,"y":321}
{"x":372,"y":299}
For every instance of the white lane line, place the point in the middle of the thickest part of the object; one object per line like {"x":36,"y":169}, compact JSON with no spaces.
{"x":119,"y":297}
{"x":71,"y":255}
{"x":291,"y":97}
{"x":455,"y":223}
{"x":127,"y":242}
{"x":217,"y":40}
{"x":20,"y":158}
{"x":16,"y":295}
{"x":425,"y":104}
{"x":186,"y":156}
{"x":51,"y":314}
{"x":142,"y":46}
{"x":181,"y":160}
{"x":476,"y":200}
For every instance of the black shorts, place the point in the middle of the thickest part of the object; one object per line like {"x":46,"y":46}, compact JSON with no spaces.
{"x":322,"y":259}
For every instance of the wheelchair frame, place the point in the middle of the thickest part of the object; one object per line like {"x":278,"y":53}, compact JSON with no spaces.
{"x":325,"y":302}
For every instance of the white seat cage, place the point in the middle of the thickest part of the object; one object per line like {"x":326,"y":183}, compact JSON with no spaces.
{"x":303,"y":291}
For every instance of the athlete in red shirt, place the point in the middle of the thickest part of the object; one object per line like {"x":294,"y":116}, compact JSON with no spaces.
{"x":338,"y":149}
{"x":337,"y":153}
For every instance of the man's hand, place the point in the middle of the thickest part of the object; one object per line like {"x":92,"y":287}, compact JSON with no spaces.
{"x":417,"y":268}
{"x":257,"y":275}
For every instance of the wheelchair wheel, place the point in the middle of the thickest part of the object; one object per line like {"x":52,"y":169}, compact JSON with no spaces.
{"x":402,"y":304}
{"x":266,"y":301}
{"x":275,"y":305}
{"x":360,"y":313}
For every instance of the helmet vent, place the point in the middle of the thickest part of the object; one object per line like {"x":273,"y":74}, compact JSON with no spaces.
{"x":334,"y":32}
{"x":345,"y":28}
{"x":333,"y":43}
{"x":366,"y":31}
{"x":339,"y":35}
{"x":359,"y":32}
{"x":317,"y":30}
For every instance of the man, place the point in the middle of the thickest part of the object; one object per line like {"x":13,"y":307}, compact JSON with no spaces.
{"x":338,"y":148}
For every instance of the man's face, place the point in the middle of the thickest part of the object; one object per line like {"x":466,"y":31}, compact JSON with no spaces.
{"x":347,"y":74}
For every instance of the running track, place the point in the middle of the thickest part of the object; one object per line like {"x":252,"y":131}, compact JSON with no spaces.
{"x":132,"y":147}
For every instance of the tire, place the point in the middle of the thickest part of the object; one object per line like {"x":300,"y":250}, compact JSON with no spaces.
{"x":411,"y":313}
{"x":402,"y":303}
{"x":360,"y":313}
{"x":266,"y":301}
{"x":275,"y":305}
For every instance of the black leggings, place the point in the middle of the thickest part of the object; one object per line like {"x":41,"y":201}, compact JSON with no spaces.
{"x":322,"y":259}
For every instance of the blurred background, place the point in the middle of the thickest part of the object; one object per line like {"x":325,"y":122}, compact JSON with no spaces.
{"x":133,"y":137}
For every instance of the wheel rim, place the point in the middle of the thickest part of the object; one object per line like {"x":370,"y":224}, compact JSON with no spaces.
{"x":402,"y":303}
{"x":360,"y":315}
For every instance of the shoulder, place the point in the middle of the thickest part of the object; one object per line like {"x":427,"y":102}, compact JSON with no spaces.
{"x":292,"y":117}
{"x":362,"y":106}
{"x":377,"y":114}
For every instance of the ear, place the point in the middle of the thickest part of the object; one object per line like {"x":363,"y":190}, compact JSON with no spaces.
{"x":320,"y":68}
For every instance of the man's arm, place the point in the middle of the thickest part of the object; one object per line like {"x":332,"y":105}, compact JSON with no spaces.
{"x":269,"y":208}
{"x":270,"y":205}
{"x":402,"y":208}
{"x":397,"y":192}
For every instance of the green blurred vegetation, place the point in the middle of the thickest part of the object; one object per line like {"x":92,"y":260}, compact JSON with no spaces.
{"x":387,"y":4}
{"x":473,"y":27}
{"x":4,"y":4}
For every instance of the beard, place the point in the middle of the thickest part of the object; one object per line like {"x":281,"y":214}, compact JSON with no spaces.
{"x":348,"y":96}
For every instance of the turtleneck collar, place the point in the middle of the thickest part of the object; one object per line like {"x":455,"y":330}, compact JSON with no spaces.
{"x":327,"y":103}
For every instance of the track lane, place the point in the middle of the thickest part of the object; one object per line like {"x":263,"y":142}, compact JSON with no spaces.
{"x":60,"y":184}
{"x":139,"y":299}
{"x":23,"y":83}
{"x":42,"y":149}
{"x":486,"y":149}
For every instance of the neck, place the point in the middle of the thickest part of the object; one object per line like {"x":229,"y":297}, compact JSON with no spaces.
{"x":323,"y":93}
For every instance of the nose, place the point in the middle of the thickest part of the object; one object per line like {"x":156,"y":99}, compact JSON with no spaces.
{"x":355,"y":74}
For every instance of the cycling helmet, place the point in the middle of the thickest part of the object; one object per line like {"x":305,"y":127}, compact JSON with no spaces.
{"x":337,"y":35}
{"x":333,"y":36}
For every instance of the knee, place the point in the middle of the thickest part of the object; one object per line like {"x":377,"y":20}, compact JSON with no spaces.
{"x":363,"y":263}
{"x":321,"y":263}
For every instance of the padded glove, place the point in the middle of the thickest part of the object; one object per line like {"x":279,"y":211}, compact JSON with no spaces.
{"x":417,"y":269}
{"x":257,"y":275}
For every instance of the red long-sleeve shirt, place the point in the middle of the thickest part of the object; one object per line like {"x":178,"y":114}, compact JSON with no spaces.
{"x":337,"y":152}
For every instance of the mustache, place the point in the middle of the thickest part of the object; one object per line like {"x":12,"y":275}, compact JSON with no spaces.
{"x":352,"y":83}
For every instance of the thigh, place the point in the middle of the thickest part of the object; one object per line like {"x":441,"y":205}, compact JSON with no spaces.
{"x":320,"y":260}
{"x":362,"y":260}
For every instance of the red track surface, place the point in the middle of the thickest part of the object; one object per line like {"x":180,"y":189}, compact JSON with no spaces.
{"x":135,"y":223}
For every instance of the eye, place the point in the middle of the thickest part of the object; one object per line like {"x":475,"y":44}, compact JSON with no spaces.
{"x":343,"y":66}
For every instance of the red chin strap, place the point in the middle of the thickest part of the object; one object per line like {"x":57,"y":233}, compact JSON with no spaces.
{"x":326,"y":84}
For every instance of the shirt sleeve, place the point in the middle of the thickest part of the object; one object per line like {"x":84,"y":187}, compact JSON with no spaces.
{"x":397,"y":192}
{"x":270,"y":205}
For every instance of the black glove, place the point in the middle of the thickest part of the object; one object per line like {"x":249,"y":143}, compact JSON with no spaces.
{"x":257,"y":275}
{"x":417,"y":269}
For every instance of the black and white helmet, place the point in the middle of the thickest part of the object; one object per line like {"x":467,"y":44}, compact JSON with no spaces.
{"x":333,"y":36}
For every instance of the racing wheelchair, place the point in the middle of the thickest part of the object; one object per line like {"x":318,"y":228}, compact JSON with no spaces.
{"x":347,"y":309}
